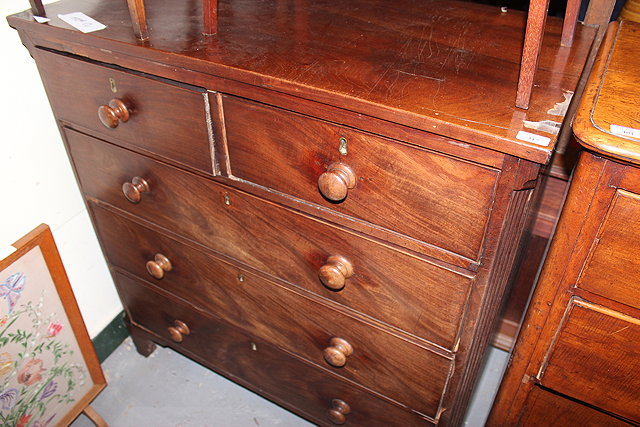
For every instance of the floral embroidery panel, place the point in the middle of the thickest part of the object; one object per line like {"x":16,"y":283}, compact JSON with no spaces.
{"x":42,"y":371}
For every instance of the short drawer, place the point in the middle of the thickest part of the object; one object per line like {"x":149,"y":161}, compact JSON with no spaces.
{"x":259,"y":365}
{"x":379,"y":361}
{"x":595,"y":359}
{"x":433,"y":198}
{"x":162,"y":117}
{"x":404,"y":291}
{"x":613,"y":267}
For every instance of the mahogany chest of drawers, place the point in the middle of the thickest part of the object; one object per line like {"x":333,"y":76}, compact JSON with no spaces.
{"x":329,"y":220}
{"x":576,"y":359}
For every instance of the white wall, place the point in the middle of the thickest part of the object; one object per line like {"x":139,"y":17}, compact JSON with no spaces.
{"x":36,"y":181}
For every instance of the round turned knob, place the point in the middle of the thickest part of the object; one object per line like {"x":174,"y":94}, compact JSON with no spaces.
{"x":336,"y":181}
{"x":335,"y":272}
{"x":339,"y":408}
{"x":114,"y":113}
{"x":177,"y":331}
{"x":158,"y":266}
{"x":337,"y":352}
{"x":133,"y":190}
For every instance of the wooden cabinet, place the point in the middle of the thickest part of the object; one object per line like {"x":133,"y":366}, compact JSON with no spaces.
{"x":307,"y":208}
{"x":579,"y":342}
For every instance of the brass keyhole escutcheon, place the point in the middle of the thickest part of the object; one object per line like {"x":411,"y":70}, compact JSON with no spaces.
{"x":342,"y":148}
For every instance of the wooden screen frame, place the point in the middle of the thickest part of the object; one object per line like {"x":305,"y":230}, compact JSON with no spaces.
{"x":41,"y":237}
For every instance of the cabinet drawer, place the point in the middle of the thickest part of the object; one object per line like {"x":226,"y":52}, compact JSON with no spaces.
{"x":595,"y":359}
{"x":433,"y":198}
{"x":407,"y":292}
{"x":379,"y":361}
{"x":550,"y":410}
{"x":165,"y":118}
{"x":613,"y":267}
{"x":284,"y":378}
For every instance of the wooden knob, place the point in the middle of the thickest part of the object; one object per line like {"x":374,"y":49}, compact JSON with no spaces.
{"x":133,"y":190}
{"x":339,"y":408}
{"x":158,"y":266}
{"x":178,"y":331}
{"x":114,"y":113}
{"x":336,"y":181}
{"x":337,"y":352}
{"x":335,"y":272}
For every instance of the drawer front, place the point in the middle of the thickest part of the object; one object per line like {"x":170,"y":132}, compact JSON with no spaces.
{"x":433,"y":198}
{"x":330,"y":339}
{"x":272,"y":372}
{"x":613,"y":267}
{"x":165,"y":119}
{"x":404,"y":291}
{"x":550,"y":410}
{"x":595,"y":359}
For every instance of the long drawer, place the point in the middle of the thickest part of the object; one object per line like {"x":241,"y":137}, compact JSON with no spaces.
{"x":429,"y":196}
{"x":320,"y":395}
{"x":151,"y":114}
{"x":406,"y":292}
{"x":358,"y":351}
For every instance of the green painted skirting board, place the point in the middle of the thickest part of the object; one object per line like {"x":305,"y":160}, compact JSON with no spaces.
{"x":110,"y":337}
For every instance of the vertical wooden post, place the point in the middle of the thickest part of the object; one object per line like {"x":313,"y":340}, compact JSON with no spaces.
{"x":138,"y":18}
{"x":570,"y":21}
{"x":532,"y":42}
{"x":599,"y":13}
{"x":37,"y":8}
{"x":210,"y":16}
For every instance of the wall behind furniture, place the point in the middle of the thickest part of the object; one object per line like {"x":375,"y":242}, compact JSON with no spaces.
{"x":37,"y":184}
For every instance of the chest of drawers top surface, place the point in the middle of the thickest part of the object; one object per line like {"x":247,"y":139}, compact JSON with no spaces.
{"x":445,"y":67}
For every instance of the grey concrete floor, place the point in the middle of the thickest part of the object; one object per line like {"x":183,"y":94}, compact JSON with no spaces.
{"x":167,"y":389}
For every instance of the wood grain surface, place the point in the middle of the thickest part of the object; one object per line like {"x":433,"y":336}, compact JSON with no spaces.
{"x":612,"y":269}
{"x":406,"y":373}
{"x":404,"y":291}
{"x":611,"y":96}
{"x":438,"y":199}
{"x":164,"y":118}
{"x":396,"y":284}
{"x":254,"y":363}
{"x":551,"y":410}
{"x":446,"y":67}
{"x":594,"y":359}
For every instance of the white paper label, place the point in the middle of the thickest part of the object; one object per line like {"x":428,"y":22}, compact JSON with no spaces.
{"x":621,"y":130}
{"x":533,"y":138}
{"x":41,"y":19}
{"x":82,"y":22}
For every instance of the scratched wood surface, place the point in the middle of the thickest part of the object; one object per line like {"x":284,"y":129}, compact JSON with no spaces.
{"x":442,"y":66}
